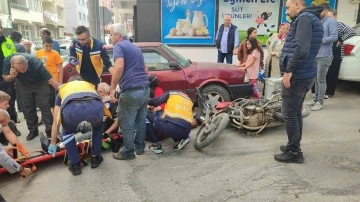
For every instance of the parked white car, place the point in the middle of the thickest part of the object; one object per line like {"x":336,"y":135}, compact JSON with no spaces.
{"x":350,"y":65}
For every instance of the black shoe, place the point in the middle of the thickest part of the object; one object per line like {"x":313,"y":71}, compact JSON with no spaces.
{"x":96,"y":161}
{"x":283,"y":148}
{"x":290,"y":157}
{"x":45,"y":143}
{"x":75,"y":169}
{"x":2,"y":199}
{"x":13,"y":128}
{"x":32,"y":135}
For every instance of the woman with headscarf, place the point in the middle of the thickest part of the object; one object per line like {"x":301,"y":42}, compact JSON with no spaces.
{"x":275,"y":44}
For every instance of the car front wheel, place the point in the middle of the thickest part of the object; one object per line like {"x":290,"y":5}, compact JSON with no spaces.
{"x":214,"y":94}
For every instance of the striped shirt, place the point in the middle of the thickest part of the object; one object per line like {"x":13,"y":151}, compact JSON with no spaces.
{"x":345,"y":33}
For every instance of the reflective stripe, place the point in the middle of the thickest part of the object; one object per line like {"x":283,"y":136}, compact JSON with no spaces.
{"x":69,"y":139}
{"x":78,"y":50}
{"x":179,"y":116}
{"x":94,"y":52}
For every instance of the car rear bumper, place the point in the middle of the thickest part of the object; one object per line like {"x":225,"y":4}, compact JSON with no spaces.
{"x":350,"y":69}
{"x":240,"y":90}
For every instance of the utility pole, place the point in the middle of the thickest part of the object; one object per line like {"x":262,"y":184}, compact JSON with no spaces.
{"x":94,"y":18}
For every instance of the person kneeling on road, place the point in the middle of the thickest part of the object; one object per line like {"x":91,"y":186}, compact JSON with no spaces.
{"x":7,"y":161}
{"x":9,"y":132}
{"x":175,"y":122}
{"x":76,"y":102}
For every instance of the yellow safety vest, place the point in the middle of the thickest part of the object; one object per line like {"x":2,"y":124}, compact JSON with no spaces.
{"x":180,"y":106}
{"x":95,"y":57}
{"x":77,"y":89}
{"x":8,"y":47}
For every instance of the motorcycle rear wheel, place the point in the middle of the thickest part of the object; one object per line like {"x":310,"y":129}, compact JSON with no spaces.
{"x":204,"y":139}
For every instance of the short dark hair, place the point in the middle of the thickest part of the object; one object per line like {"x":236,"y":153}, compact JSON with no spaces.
{"x":325,"y":6}
{"x":48,"y":39}
{"x":15,"y":36}
{"x":82,"y":29}
{"x":46,"y":32}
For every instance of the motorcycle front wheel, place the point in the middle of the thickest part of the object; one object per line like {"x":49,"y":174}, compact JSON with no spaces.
{"x":207,"y":134}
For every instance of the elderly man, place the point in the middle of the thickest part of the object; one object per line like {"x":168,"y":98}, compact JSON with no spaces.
{"x":91,"y":55}
{"x":297,"y":64}
{"x":135,"y":92}
{"x":7,"y":161}
{"x":76,"y":102}
{"x":227,"y":40}
{"x":44,"y":32}
{"x":28,"y":45}
{"x":32,"y":81}
{"x":110,"y":124}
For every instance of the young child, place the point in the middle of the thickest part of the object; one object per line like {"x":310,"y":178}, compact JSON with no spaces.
{"x":242,"y":53}
{"x":53,"y":63}
{"x":252,"y":64}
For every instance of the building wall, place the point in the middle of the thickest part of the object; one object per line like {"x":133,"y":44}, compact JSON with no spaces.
{"x":347,"y":12}
{"x":70,"y":9}
{"x":82,"y":9}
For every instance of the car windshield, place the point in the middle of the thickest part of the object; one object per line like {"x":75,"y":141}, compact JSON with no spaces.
{"x":183,"y":62}
{"x":357,"y":29}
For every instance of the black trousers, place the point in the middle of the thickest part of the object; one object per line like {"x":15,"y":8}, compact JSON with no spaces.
{"x":32,"y":95}
{"x":332,"y":76}
{"x":9,"y":88}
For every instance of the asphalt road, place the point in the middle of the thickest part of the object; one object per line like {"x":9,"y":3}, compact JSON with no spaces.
{"x":236,"y":167}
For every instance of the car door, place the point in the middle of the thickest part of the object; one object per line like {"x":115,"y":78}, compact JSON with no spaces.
{"x":171,"y":78}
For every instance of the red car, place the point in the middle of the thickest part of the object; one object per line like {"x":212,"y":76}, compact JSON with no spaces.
{"x":221,"y":82}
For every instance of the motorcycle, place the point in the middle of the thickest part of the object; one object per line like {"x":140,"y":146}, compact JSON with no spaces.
{"x":251,"y":115}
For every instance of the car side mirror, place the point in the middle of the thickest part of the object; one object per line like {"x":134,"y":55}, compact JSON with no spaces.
{"x":173,"y":65}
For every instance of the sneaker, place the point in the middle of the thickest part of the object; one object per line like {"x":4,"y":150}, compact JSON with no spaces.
{"x":283,"y":148}
{"x":290,"y":157}
{"x":310,"y":103}
{"x":317,"y":107}
{"x":326,"y":97}
{"x":156,"y":148}
{"x":139,"y":152}
{"x":181,"y":144}
{"x":96,"y":161}
{"x":75,"y":169}
{"x":120,"y":156}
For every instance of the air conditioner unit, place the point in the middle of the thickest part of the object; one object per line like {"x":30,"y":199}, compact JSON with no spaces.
{"x":354,"y":1}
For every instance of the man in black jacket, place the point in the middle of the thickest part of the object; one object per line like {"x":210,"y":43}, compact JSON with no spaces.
{"x":297,"y":64}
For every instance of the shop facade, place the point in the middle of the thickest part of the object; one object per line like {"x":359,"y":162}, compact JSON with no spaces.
{"x":195,"y":22}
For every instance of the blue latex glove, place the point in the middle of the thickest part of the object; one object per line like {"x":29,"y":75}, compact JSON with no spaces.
{"x":74,"y":62}
{"x":52,"y":150}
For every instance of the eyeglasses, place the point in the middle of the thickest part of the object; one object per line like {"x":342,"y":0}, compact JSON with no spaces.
{"x":83,"y":39}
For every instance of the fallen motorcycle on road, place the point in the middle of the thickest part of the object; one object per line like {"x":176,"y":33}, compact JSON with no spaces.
{"x":253,"y":116}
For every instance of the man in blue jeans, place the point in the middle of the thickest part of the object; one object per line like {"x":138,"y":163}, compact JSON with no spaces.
{"x":130,"y":70}
{"x":297,"y":64}
{"x":324,"y":57}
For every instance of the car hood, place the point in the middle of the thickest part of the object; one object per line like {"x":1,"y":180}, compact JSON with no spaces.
{"x":211,"y":65}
